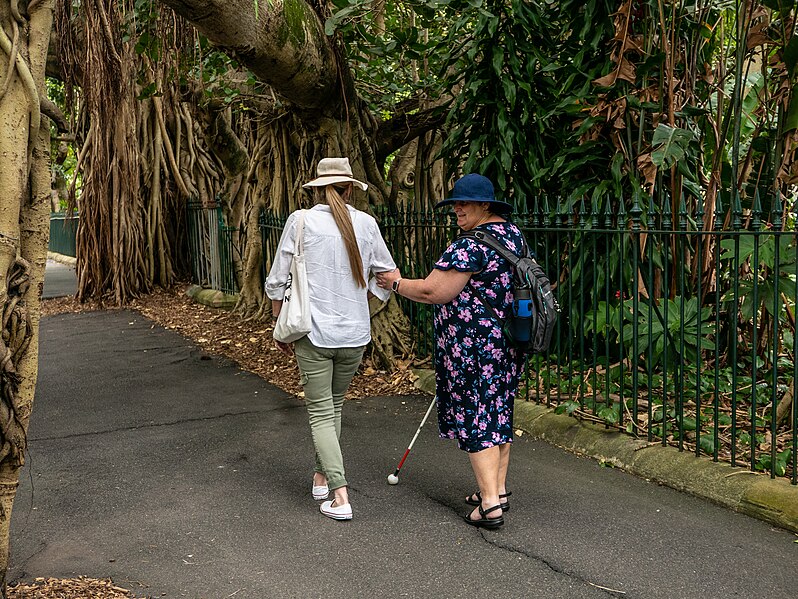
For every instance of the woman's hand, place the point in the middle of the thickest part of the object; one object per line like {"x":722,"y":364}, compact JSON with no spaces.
{"x":286,"y":348}
{"x":386,"y":279}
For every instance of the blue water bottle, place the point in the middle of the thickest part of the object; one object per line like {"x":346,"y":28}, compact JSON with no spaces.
{"x":519,"y":325}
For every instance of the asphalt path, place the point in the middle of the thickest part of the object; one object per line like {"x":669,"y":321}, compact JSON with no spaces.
{"x":59,"y":280}
{"x":177,"y":474}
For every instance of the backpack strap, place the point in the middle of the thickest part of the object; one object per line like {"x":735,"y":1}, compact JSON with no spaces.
{"x":487,"y":304}
{"x":498,"y":246}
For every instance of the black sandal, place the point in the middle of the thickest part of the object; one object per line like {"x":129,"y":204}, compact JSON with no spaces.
{"x":505,"y":505}
{"x":485,"y":522}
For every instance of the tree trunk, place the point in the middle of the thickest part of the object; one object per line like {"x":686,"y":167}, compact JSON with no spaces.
{"x":24,"y":232}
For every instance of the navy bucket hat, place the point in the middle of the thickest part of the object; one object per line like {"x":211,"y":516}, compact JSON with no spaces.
{"x":476,"y":188}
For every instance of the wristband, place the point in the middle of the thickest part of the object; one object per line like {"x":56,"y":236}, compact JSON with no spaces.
{"x":395,"y":286}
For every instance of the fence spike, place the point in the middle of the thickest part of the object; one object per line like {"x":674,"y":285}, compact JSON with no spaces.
{"x":546,"y":211}
{"x":525,"y":215}
{"x":594,"y":220}
{"x":699,"y":214}
{"x":719,"y":212}
{"x":582,"y":219}
{"x":667,"y":221}
{"x":537,"y":214}
{"x":635,"y":212}
{"x":562,"y":212}
{"x":651,"y":217}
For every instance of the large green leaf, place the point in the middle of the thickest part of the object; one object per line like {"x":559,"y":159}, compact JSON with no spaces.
{"x":670,"y":145}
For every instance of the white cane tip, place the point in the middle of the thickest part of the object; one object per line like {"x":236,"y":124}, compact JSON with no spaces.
{"x":393,"y":479}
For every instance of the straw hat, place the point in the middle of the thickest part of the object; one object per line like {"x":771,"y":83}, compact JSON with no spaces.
{"x":334,"y":170}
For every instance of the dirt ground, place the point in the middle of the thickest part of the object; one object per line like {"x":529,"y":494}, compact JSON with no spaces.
{"x":218,"y":332}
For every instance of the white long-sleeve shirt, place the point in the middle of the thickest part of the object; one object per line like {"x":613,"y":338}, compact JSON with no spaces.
{"x":339,"y":308}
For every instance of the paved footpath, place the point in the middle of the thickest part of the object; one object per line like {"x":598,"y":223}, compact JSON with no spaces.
{"x":59,"y":280}
{"x":179,"y":475}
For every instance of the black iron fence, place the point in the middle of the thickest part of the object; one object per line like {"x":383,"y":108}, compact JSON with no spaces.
{"x":271,"y":228}
{"x":677,"y":328}
{"x":670,"y":332}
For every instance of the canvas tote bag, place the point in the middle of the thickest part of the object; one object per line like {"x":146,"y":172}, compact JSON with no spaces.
{"x":293,"y":322}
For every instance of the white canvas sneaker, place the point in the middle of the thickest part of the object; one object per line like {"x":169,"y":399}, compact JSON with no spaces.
{"x":340,"y":512}
{"x":320,"y":492}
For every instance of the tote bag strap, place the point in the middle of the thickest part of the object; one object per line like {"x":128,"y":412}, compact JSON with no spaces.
{"x":299,"y":241}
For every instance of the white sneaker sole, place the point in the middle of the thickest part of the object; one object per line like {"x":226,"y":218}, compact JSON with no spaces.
{"x":335,"y":513}
{"x":320,"y":492}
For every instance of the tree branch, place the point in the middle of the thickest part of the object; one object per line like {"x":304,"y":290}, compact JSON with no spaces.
{"x":285,"y":46}
{"x":49,"y":109}
{"x":405,"y":126}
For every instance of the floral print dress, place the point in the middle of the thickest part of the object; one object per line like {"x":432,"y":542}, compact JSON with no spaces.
{"x":477,"y":371}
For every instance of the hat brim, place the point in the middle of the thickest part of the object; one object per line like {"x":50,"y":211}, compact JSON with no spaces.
{"x":496,"y":206}
{"x":322,"y":181}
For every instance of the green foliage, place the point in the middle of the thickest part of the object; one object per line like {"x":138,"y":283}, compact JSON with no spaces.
{"x":404,"y":58}
{"x":765,"y":462}
{"x":688,"y":329}
{"x":139,"y":26}
{"x":764,"y":274}
{"x":670,"y":145}
{"x":525,"y":84}
{"x":585,"y":108}
{"x":63,"y":165}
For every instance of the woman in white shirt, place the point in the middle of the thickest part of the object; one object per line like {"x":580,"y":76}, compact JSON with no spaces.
{"x":343,"y":247}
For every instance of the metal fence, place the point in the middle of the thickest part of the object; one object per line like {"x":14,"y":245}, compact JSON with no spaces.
{"x":63,"y":232}
{"x":211,"y":248}
{"x":271,"y":228}
{"x":669,"y":332}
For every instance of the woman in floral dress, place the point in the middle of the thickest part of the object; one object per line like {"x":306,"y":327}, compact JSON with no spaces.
{"x":477,"y":371}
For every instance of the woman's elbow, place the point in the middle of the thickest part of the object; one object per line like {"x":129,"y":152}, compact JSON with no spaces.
{"x":436,"y":296}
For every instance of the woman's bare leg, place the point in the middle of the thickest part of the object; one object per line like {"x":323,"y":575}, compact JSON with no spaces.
{"x":486,"y":464}
{"x":504,"y":464}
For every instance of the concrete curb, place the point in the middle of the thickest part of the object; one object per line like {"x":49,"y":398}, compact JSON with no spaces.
{"x":62,"y":258}
{"x":212,"y":297}
{"x":751,"y":493}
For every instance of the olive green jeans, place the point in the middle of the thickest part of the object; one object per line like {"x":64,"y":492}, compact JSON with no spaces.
{"x":325,"y":374}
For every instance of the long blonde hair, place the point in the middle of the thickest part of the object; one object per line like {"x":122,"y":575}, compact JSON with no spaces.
{"x":337,"y":203}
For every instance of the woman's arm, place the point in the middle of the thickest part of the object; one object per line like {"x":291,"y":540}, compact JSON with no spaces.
{"x":278,"y":275}
{"x":440,"y":286}
{"x":277,"y":305}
